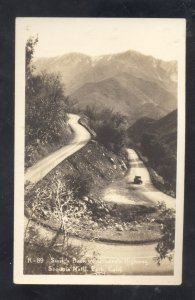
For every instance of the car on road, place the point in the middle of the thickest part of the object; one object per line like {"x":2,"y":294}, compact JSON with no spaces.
{"x":137,"y":180}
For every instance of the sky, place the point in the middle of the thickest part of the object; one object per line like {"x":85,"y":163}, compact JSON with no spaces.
{"x":161,"y":38}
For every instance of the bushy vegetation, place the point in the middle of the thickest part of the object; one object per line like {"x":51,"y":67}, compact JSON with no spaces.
{"x":157,"y":141}
{"x":161,"y":158}
{"x":46,"y":107}
{"x":166,"y":245}
{"x":57,"y":202}
{"x":110,"y":128}
{"x":62,"y":202}
{"x":79,"y":184}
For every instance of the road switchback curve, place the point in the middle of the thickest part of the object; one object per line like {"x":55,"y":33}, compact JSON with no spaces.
{"x":44,"y":166}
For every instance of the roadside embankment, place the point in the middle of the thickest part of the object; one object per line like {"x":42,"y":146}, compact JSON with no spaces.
{"x":156,"y":179}
{"x":83,"y":175}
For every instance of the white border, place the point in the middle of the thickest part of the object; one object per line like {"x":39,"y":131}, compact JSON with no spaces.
{"x":19,"y":277}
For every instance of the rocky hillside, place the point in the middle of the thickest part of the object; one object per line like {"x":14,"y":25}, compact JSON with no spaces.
{"x":129,"y":82}
{"x":82,"y":178}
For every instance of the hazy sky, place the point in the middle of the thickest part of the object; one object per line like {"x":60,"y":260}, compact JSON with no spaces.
{"x":161,"y":38}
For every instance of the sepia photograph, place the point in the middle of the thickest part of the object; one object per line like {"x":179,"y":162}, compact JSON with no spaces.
{"x":99,"y":150}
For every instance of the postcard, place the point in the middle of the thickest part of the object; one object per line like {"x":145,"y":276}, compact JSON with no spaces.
{"x":99,"y":151}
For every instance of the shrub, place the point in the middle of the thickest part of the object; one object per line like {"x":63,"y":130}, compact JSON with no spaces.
{"x":166,"y":245}
{"x":79,"y":185}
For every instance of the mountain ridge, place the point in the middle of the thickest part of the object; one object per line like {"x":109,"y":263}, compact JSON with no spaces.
{"x":146,"y":83}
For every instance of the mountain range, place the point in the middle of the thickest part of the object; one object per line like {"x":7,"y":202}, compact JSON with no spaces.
{"x":134,"y":84}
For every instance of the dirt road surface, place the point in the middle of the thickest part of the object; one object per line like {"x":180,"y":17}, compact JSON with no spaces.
{"x":44,"y":166}
{"x":126,"y":192}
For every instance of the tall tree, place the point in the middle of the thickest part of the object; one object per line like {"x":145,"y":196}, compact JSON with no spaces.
{"x":45,"y":108}
{"x":29,"y":52}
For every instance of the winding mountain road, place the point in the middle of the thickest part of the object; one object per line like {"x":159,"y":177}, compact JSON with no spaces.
{"x":126,"y":192}
{"x":147,"y":191}
{"x":113,"y":258}
{"x":44,"y":166}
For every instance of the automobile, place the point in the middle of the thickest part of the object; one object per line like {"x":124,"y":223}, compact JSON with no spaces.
{"x":137,"y":180}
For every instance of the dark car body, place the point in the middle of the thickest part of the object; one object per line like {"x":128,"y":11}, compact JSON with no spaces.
{"x":137,"y":180}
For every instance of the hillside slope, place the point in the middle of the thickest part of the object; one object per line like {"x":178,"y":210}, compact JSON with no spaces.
{"x":157,"y":140}
{"x":129,"y":95}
